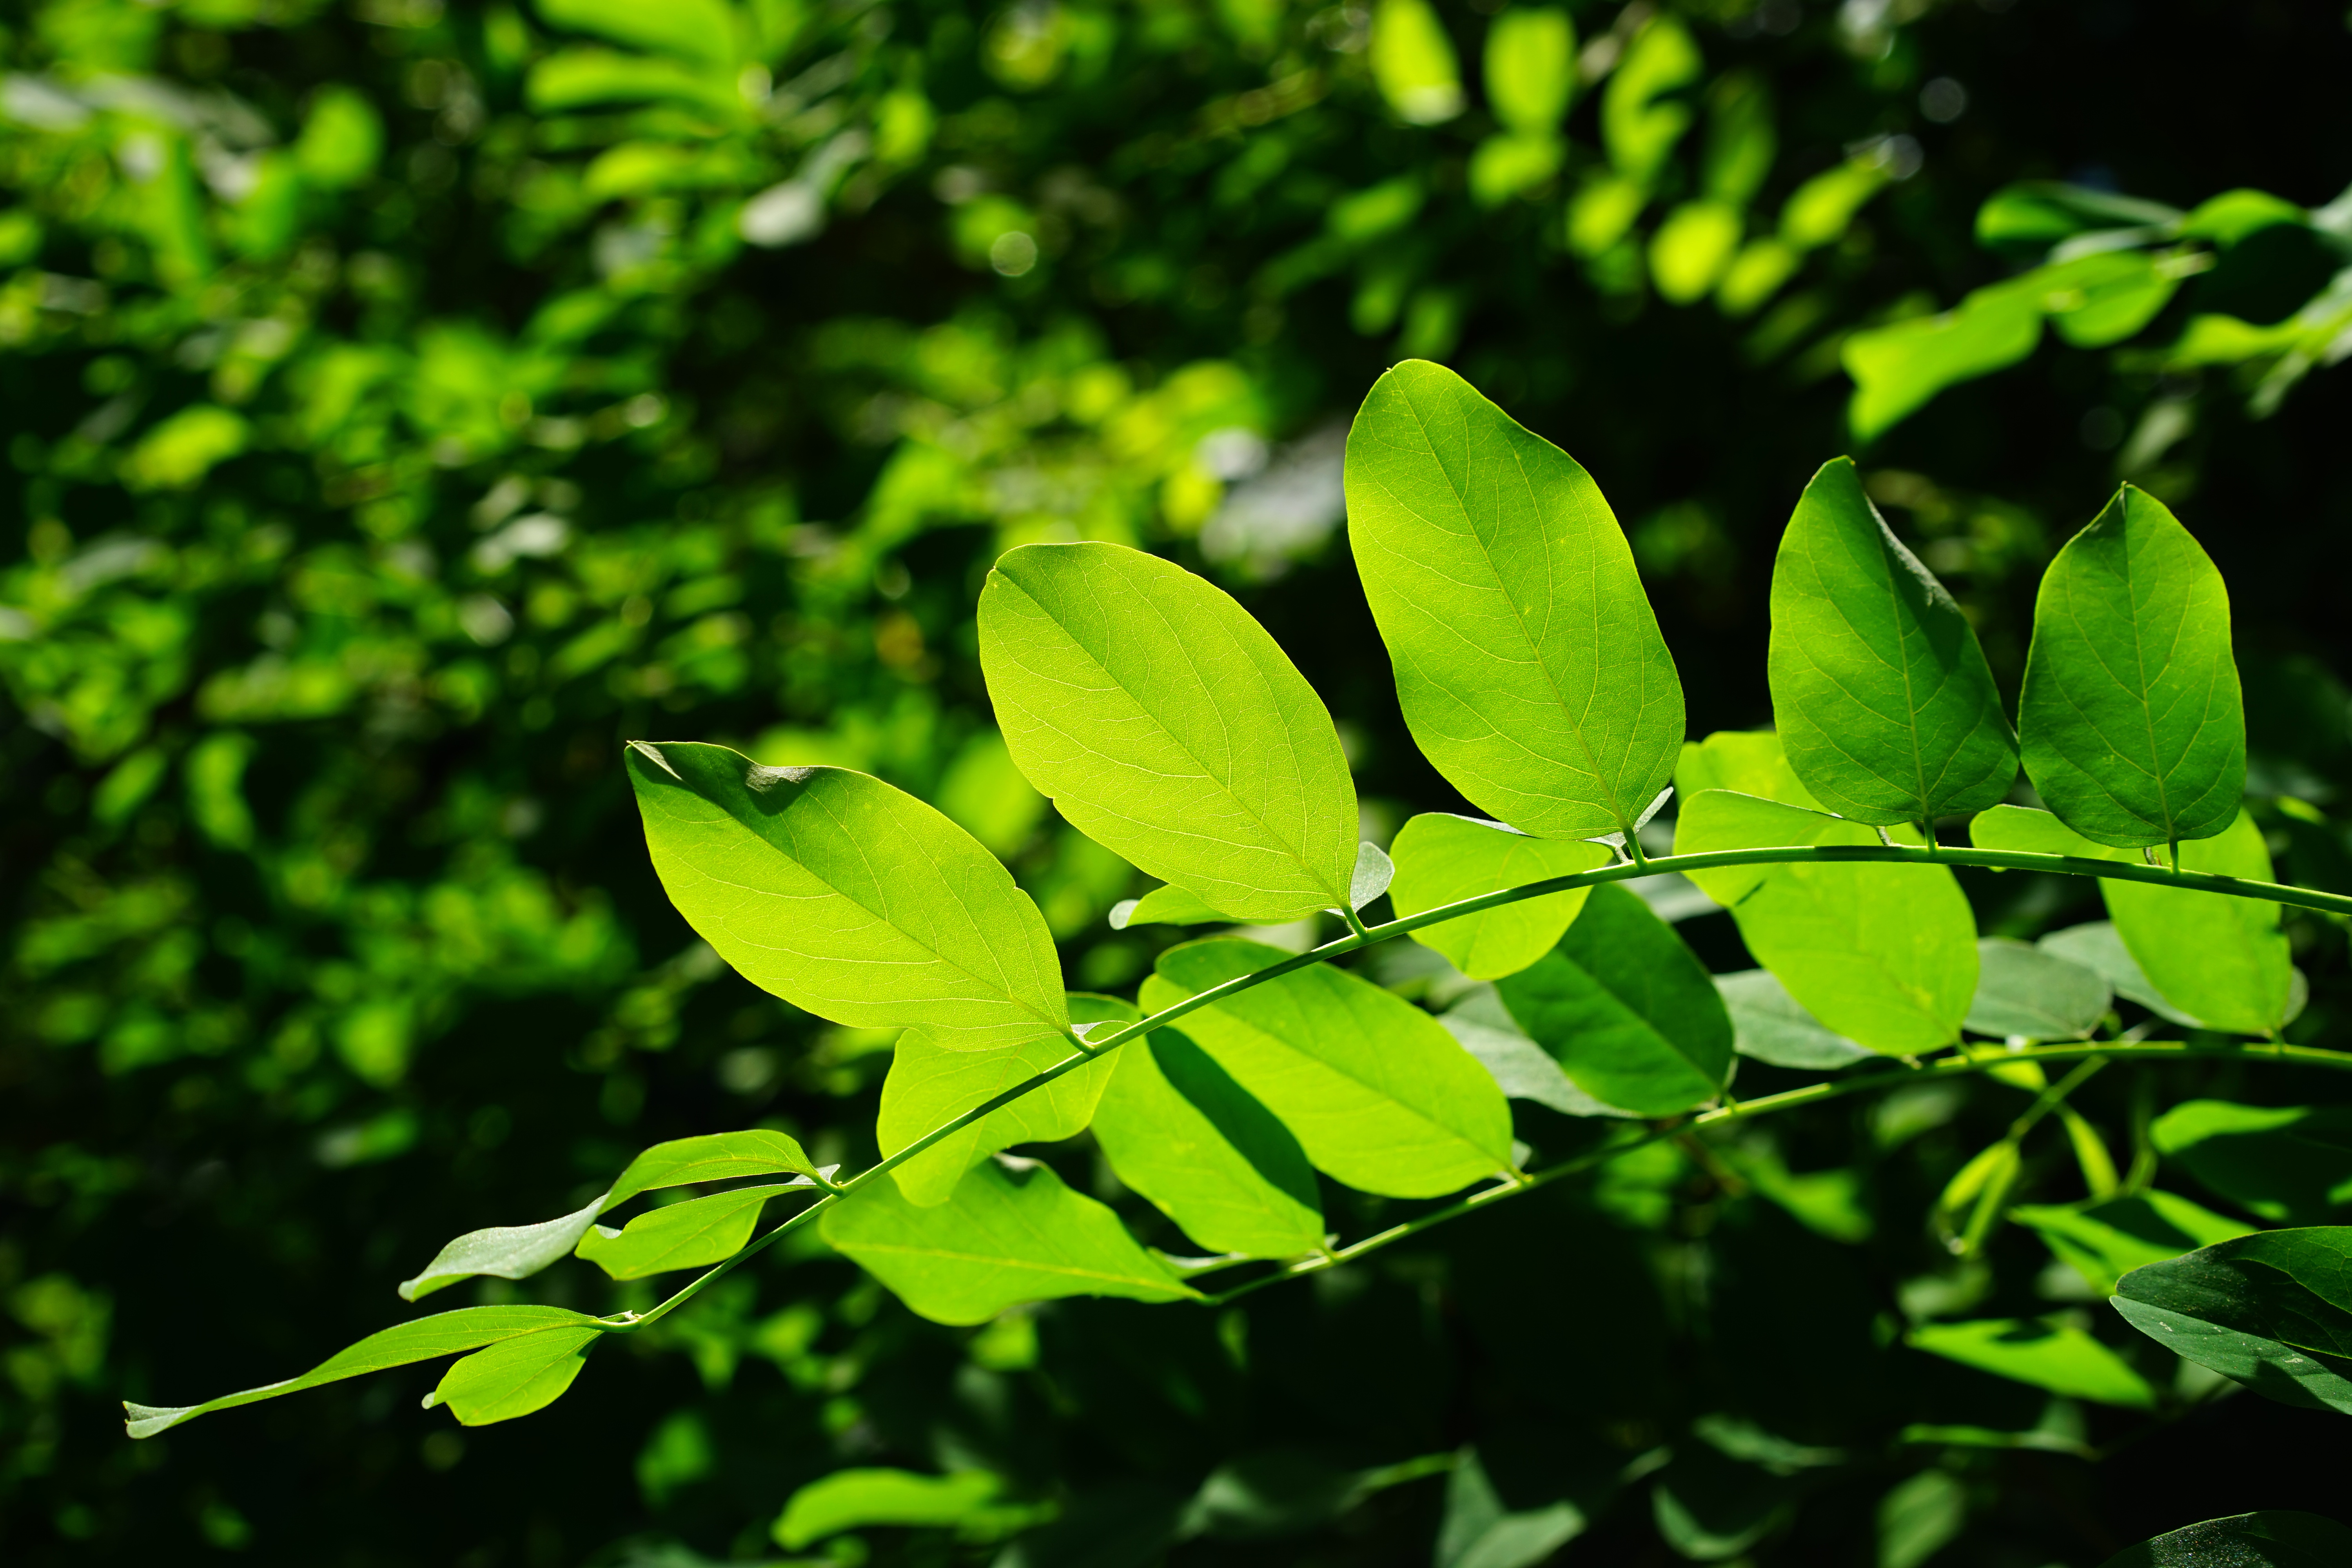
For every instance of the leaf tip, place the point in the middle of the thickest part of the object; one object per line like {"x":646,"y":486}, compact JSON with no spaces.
{"x":1123,"y":912}
{"x":147,"y":1420}
{"x":648,"y":750}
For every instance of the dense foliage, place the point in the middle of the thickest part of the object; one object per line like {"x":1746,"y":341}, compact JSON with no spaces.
{"x":410,"y":405}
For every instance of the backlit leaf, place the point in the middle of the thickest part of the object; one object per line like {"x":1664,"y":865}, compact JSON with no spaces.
{"x":514,"y":1377}
{"x":848,"y":898}
{"x":1528,"y":661}
{"x":679,"y":1236}
{"x":1521,"y":1069}
{"x":1897,"y":368}
{"x":2131,"y":723}
{"x":1004,"y":1237}
{"x":714,"y":1157}
{"x":1166,"y":906}
{"x":1883,"y":699}
{"x":1441,"y":860}
{"x":2273,"y":1310}
{"x":503,"y":1252}
{"x":1376,"y":1091}
{"x":2096,"y":945}
{"x":854,"y":1498}
{"x":1167,"y":726}
{"x":1627,"y":1008}
{"x":2048,"y":1355}
{"x":2285,"y":1163}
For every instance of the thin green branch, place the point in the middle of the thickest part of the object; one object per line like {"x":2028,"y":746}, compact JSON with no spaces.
{"x":1362,"y":936}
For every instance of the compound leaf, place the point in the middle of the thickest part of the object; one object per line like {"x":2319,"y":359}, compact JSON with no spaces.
{"x":2131,"y":723}
{"x":848,"y":898}
{"x":2222,"y":960}
{"x":1442,"y":858}
{"x":514,"y":1377}
{"x":425,"y":1338}
{"x":1167,"y":726}
{"x":1882,"y":695}
{"x":1376,"y":1091}
{"x":1884,"y":955}
{"x":2050,"y":1354}
{"x":1179,"y":1130}
{"x":1627,"y":1008}
{"x":2275,"y":1537}
{"x":2027,"y":991}
{"x":1006,"y":1236}
{"x":2273,"y":1310}
{"x":680,"y":1236}
{"x":1528,"y":660}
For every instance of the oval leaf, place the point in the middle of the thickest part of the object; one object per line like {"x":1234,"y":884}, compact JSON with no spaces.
{"x":2273,"y":1310}
{"x":1376,"y":1092}
{"x":1167,"y":726}
{"x":514,"y":1377}
{"x":1884,"y":703}
{"x":1627,"y":1008}
{"x":2275,"y":1537}
{"x":1006,"y":1236}
{"x":679,"y":1236}
{"x":853,"y":1500}
{"x":716,"y":1157}
{"x":848,"y":898}
{"x":1443,"y":859}
{"x":1527,"y":659}
{"x":504,"y":1251}
{"x":1771,"y":1026}
{"x":2131,"y":723}
{"x":2028,"y":992}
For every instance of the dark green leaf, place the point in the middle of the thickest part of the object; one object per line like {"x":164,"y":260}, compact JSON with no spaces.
{"x":2273,"y":1310}
{"x":1771,"y":1026}
{"x":2273,"y":1539}
{"x":2283,"y":1164}
{"x":1521,"y":1069}
{"x":1477,"y":1531}
{"x":1883,"y":699}
{"x":2104,"y":1241}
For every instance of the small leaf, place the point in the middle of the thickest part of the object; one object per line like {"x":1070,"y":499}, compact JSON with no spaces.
{"x":927,"y":1087}
{"x":715,"y":1157}
{"x":1004,"y":1237}
{"x":2047,"y":1354}
{"x":679,"y":1236}
{"x":1920,"y":1516}
{"x":2133,"y":730}
{"x":2271,"y":1310}
{"x":424,"y":1339}
{"x":1443,"y":859}
{"x":2273,"y":1539}
{"x":1897,"y":368}
{"x":1627,"y":1008}
{"x":504,"y":1252}
{"x":1179,"y":1130}
{"x":2024,"y":991}
{"x":2214,"y":957}
{"x":1885,"y":955}
{"x":853,"y":1500}
{"x":1771,"y":1026}
{"x":2289,"y":1164}
{"x":1521,"y":1069}
{"x":1528,"y":660}
{"x":514,"y":1377}
{"x":1167,"y":726}
{"x":849,"y":898}
{"x":2106,"y":1241}
{"x":1882,"y":698}
{"x":1374,"y":871}
{"x":1379,"y":1095}
{"x":1478,"y":1532}
{"x":1166,"y":906}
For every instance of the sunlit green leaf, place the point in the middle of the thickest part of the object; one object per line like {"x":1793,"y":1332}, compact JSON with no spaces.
{"x":679,"y":1236}
{"x":1412,"y":61}
{"x":2096,"y":945}
{"x":1006,"y":1236}
{"x":2131,"y":723}
{"x":1627,"y":1008}
{"x":1521,"y":1069}
{"x":1885,"y":955}
{"x":514,"y":1377}
{"x":2050,"y":1354}
{"x":2027,"y":991}
{"x":1528,"y":661}
{"x":2273,"y":1310}
{"x":2284,"y":1164}
{"x":2219,"y":959}
{"x":713,"y":1157}
{"x":848,"y":898}
{"x":1883,"y":699}
{"x":425,"y":1338}
{"x":2106,"y":1241}
{"x":1441,"y":860}
{"x":1179,"y":1130}
{"x":1376,"y":1092}
{"x":1639,"y":123}
{"x":1745,"y":762}
{"x":1166,"y":906}
{"x":2102,"y":298}
{"x":854,"y":1498}
{"x":1898,"y":369}
{"x":702,"y":31}
{"x":1168,"y":726}
{"x":2272,"y":1539}
{"x":1530,"y":68}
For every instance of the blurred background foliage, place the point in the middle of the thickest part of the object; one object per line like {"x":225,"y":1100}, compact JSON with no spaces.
{"x":406,"y":402}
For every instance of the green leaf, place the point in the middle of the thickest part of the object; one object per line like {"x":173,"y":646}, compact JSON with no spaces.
{"x":1412,"y":62}
{"x":1639,"y":123}
{"x":1442,"y":858}
{"x":1896,"y":369}
{"x":2096,"y":945}
{"x":1882,"y":698}
{"x":2106,"y":1241}
{"x":1920,"y":1516}
{"x":1376,"y":1092}
{"x":2273,"y":1310}
{"x":514,"y":1377}
{"x":503,"y":1252}
{"x":928,"y":1086}
{"x":698,"y":30}
{"x":1179,"y":1130}
{"x":1745,"y":762}
{"x":1004,"y":1237}
{"x":1521,"y":1069}
{"x":1530,"y":68}
{"x":1478,"y":1532}
{"x":2273,"y":1539}
{"x":1528,"y":661}
{"x":2051,"y":1355}
{"x":2131,"y":723}
{"x":1167,"y":726}
{"x":1166,"y":906}
{"x":1771,"y":1026}
{"x":1885,"y":955}
{"x":2222,"y":960}
{"x":1627,"y":1008}
{"x":680,"y":1236}
{"x":2104,"y":297}
{"x":849,"y":898}
{"x":2030,"y":992}
{"x":853,"y":1500}
{"x":714,"y":1157}
{"x":425,"y":1338}
{"x":2283,"y":1163}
